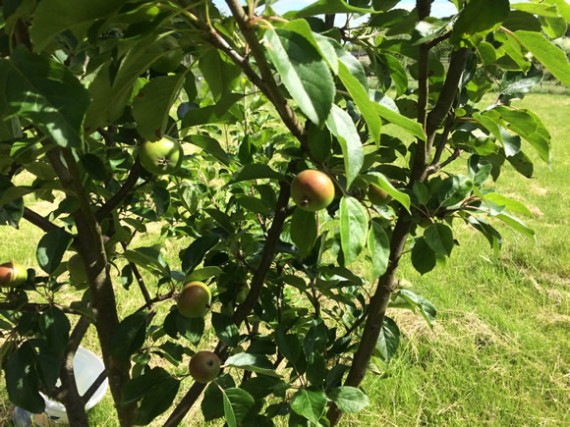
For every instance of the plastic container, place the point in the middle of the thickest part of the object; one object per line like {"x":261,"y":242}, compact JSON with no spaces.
{"x":87,"y":366}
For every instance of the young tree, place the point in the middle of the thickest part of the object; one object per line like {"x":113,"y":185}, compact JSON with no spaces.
{"x":202,"y":119}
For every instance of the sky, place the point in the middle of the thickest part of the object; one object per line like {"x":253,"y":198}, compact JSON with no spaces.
{"x":439,"y":7}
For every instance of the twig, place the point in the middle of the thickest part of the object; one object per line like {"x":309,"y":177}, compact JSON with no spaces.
{"x":124,"y":191}
{"x":33,"y":307}
{"x":39,"y":221}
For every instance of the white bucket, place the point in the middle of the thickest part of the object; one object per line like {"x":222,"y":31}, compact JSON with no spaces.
{"x":87,"y":367}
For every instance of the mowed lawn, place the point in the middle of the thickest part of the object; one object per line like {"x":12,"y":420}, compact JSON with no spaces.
{"x":499,"y":354}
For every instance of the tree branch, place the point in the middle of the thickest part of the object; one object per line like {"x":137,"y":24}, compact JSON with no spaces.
{"x":33,"y":307}
{"x":269,"y":87}
{"x":39,"y":221}
{"x":91,"y":248}
{"x":128,"y":186}
{"x":71,"y":399}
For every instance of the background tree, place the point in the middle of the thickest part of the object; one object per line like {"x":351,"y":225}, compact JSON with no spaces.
{"x":128,"y":113}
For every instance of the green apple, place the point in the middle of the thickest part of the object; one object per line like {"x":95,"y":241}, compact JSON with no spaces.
{"x":377,"y":195}
{"x":77,"y":270}
{"x":312,"y":190}
{"x":194,"y":300}
{"x":170,"y":59}
{"x":161,"y":157}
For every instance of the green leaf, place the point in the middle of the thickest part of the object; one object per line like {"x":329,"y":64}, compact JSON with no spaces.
{"x":528,"y":125}
{"x":12,"y":212}
{"x":226,"y":329}
{"x":53,"y":17}
{"x":379,"y":247}
{"x":405,"y":298}
{"x":211,"y":146}
{"x":217,"y":113}
{"x":111,"y":95}
{"x":156,"y":388}
{"x":151,"y":106}
{"x":218,"y":73}
{"x":148,"y":258}
{"x":381,"y":181}
{"x":455,"y":189}
{"x":303,"y":72}
{"x":423,"y":257}
{"x":310,"y":404}
{"x":201,"y":274}
{"x":241,"y":402}
{"x":321,"y":7}
{"x":321,"y":43}
{"x":304,"y":229}
{"x":516,"y":224}
{"x":549,"y":55}
{"x":341,"y":125}
{"x":256,"y":171}
{"x":510,"y":204}
{"x":193,"y":255}
{"x":363,"y":102}
{"x":191,"y":329}
{"x":55,"y":327}
{"x":388,"y":340}
{"x":51,"y":248}
{"x":471,"y":21}
{"x":439,"y":237}
{"x":397,"y":72}
{"x":129,"y":336}
{"x":349,"y":399}
{"x":540,"y":9}
{"x":46,"y":93}
{"x":229,"y":413}
{"x":353,"y":228}
{"x":522,"y":163}
{"x":22,"y":380}
{"x":407,"y":124}
{"x":252,"y":362}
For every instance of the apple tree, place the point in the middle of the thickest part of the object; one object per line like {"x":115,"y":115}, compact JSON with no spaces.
{"x":202,"y":118}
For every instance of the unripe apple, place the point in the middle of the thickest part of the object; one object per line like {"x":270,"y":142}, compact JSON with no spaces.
{"x":77,"y":270}
{"x":161,"y":157}
{"x":377,"y":195}
{"x":205,"y":366}
{"x":170,"y":58}
{"x":12,"y":274}
{"x":194,"y":300}
{"x":312,"y":190}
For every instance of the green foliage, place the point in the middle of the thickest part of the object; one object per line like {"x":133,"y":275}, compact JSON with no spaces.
{"x":255,"y":102}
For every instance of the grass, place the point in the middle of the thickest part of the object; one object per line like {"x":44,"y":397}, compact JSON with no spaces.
{"x":499,"y":354}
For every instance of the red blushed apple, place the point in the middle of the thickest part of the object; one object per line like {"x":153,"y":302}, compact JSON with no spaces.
{"x":312,"y":190}
{"x":205,"y":366}
{"x":194,"y":300}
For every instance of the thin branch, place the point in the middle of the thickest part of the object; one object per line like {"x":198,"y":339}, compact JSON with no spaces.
{"x":33,"y":307}
{"x":140,"y":281}
{"x":124,"y":191}
{"x":151,"y":301}
{"x":269,"y":248}
{"x":70,"y":397}
{"x":269,"y":87}
{"x":448,"y":91}
{"x":39,"y":221}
